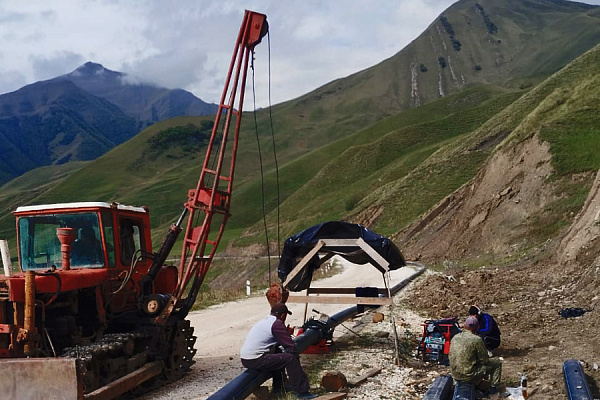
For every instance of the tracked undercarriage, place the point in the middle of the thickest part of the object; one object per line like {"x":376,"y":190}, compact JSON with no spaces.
{"x":117,"y":355}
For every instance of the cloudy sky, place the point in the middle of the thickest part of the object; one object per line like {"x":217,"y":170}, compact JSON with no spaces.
{"x":188,"y":44}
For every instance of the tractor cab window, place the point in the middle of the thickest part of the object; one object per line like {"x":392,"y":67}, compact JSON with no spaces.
{"x":109,"y":235}
{"x":40,"y":248}
{"x":131,"y":239}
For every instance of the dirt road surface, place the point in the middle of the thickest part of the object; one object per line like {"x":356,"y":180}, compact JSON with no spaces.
{"x":221,"y":330}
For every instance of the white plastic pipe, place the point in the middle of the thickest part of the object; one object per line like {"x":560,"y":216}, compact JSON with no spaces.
{"x":6,"y":257}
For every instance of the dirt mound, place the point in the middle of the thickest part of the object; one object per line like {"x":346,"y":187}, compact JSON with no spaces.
{"x":489,"y":215}
{"x":491,"y":218}
{"x":581,"y":241}
{"x":525,"y":300}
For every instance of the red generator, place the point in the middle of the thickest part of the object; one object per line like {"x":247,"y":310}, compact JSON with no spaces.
{"x":435,"y":343}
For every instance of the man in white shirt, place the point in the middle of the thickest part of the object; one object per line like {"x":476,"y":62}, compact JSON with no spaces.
{"x":258,"y":350}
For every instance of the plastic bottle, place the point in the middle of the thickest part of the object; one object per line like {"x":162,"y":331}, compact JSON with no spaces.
{"x":524,"y":385}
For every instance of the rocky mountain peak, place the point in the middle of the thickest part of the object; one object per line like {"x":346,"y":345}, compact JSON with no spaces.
{"x":93,"y":70}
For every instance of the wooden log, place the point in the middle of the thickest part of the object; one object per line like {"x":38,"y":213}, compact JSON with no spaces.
{"x":303,"y":262}
{"x":334,"y":381}
{"x":260,"y":393}
{"x":332,"y":396}
{"x":361,"y":379}
{"x":417,"y":381}
{"x":378,"y":317}
{"x":350,"y":290}
{"x":378,"y":301}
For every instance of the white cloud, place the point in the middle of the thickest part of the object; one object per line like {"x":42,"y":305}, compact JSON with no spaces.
{"x":188,"y":44}
{"x":46,"y":67}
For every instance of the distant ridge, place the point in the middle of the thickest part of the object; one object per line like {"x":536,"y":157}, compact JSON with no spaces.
{"x":80,"y":116}
{"x":54,"y":122}
{"x":145,"y":102}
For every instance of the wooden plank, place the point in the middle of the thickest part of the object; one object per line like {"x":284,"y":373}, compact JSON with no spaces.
{"x":125,"y":383}
{"x":6,"y":257}
{"x":383,"y":263}
{"x":363,"y":377}
{"x":380,"y":301}
{"x":303,"y":262}
{"x":418,"y":381}
{"x":322,"y":290}
{"x":340,"y":242}
{"x":332,"y":396}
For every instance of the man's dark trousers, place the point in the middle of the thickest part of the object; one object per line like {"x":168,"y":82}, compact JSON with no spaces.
{"x":279,"y":361}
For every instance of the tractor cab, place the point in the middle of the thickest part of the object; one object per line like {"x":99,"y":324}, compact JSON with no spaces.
{"x":81,"y":266}
{"x":97,"y":235}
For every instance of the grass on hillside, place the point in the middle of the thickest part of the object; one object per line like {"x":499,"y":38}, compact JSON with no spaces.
{"x":563,"y":110}
{"x":247,"y":202}
{"x":574,"y":134}
{"x":372,"y":161}
{"x":558,"y":215}
{"x":26,"y":190}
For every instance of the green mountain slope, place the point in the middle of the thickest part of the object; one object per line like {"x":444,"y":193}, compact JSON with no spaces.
{"x":348,"y":136}
{"x":55,"y":122}
{"x":388,"y":183}
{"x":529,"y":40}
{"x":350,"y":170}
{"x":154,"y":169}
{"x":534,"y":182}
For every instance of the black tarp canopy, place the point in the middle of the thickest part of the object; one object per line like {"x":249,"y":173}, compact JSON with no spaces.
{"x":298,"y":246}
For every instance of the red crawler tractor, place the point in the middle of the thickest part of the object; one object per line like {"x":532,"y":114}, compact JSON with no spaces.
{"x":94,"y":312}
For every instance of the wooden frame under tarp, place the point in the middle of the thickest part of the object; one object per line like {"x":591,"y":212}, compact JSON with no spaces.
{"x":322,"y":247}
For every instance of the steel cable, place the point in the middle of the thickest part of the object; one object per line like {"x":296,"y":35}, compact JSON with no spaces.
{"x":262,"y":177}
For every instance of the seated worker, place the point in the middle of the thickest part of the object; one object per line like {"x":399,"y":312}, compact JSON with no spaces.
{"x":488,"y":328}
{"x":259,"y":350}
{"x":469,"y":360}
{"x":87,"y":248}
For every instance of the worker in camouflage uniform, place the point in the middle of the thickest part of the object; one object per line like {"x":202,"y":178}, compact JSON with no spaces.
{"x":469,"y":360}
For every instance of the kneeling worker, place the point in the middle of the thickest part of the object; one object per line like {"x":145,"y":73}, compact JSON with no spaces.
{"x":488,"y":328}
{"x":258,"y":350}
{"x":469,"y":360}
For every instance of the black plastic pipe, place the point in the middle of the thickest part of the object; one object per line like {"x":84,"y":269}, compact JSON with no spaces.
{"x":245,"y":383}
{"x":440,"y":389}
{"x":463,"y":391}
{"x":577,"y":387}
